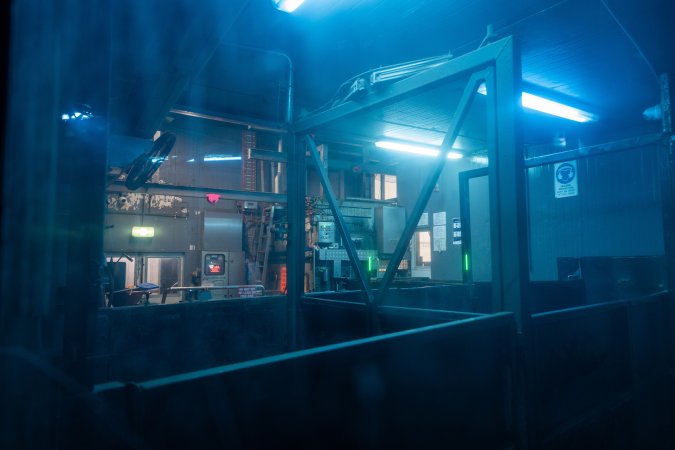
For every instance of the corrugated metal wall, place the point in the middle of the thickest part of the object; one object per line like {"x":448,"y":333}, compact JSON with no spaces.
{"x":616,"y":213}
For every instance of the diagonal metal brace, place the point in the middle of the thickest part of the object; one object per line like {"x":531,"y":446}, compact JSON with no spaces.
{"x":340,"y":221}
{"x":439,"y":163}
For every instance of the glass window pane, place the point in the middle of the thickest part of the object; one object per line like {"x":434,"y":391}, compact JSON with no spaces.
{"x":389,"y":187}
{"x":424,"y":248}
{"x":377,"y":186}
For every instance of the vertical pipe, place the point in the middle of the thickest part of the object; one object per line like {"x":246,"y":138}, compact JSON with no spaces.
{"x":291,"y":87}
{"x":291,"y":77}
{"x":295,"y":249}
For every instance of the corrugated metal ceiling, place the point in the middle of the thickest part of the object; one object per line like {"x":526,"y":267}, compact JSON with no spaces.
{"x":604,"y":54}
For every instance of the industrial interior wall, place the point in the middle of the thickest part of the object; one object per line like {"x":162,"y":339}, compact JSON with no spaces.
{"x":198,"y":142}
{"x":445,"y":264}
{"x":617,"y":211}
{"x":178,"y":219}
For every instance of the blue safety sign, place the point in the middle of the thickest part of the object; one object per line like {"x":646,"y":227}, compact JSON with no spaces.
{"x":565,"y":179}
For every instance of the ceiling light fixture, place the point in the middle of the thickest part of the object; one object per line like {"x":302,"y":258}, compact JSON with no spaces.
{"x":213,"y":158}
{"x":287,"y":5}
{"x":143,"y":232}
{"x":550,"y":107}
{"x":547,"y":106}
{"x":416,"y":149}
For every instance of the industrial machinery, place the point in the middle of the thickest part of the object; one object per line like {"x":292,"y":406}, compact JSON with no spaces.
{"x":374,"y":229}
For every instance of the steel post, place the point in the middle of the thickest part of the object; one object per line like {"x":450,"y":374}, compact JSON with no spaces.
{"x":510,"y":266}
{"x":295,"y":253}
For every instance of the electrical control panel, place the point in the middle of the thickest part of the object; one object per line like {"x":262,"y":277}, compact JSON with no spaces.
{"x":326,"y":232}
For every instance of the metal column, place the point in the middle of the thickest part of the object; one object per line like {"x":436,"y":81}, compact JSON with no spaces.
{"x":295,"y":256}
{"x":508,"y":221}
{"x":439,"y":164}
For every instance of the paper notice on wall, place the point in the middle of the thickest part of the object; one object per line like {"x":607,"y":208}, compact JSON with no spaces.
{"x":565,"y":179}
{"x":439,"y":218}
{"x":424,"y":220}
{"x":456,"y":232}
{"x":440,"y":238}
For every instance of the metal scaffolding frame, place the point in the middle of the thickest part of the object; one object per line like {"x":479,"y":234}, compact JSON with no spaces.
{"x":498,"y":65}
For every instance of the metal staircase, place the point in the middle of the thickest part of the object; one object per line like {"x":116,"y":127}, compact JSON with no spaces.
{"x":264,"y":243}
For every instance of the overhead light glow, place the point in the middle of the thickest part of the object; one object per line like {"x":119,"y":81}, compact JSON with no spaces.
{"x":546,"y":106}
{"x":415,"y":149}
{"x":287,"y":5}
{"x":483,"y":160}
{"x":191,"y":160}
{"x":143,"y":232}
{"x":77,"y":115}
{"x":556,"y":109}
{"x":214,"y":158}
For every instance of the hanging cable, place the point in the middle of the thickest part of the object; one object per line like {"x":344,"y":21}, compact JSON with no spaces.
{"x":630,"y":38}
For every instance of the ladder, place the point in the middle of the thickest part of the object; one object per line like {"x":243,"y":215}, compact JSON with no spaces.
{"x":264,"y":243}
{"x":248,"y":165}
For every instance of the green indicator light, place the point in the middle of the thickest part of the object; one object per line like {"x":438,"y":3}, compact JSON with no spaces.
{"x":466,"y":262}
{"x":370,"y":264}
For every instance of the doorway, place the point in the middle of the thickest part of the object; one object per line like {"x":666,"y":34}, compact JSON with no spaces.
{"x":474,"y":200}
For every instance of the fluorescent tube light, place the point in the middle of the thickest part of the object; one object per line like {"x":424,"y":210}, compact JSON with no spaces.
{"x":407,"y":148}
{"x":143,"y":232}
{"x":287,"y":5}
{"x":556,"y":109}
{"x":415,"y":149}
{"x":546,"y":106}
{"x":213,"y":158}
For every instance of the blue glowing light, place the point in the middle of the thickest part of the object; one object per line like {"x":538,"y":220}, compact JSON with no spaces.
{"x":287,"y":5}
{"x":546,"y":106}
{"x":415,"y":149}
{"x":556,"y":109}
{"x":213,"y":158}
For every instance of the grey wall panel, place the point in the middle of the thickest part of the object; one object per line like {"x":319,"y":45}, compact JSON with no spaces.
{"x":223,"y":231}
{"x":616,"y":213}
{"x":389,"y":224}
{"x":171,"y":234}
{"x":445,"y":265}
{"x":197,"y":138}
{"x":481,"y":253}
